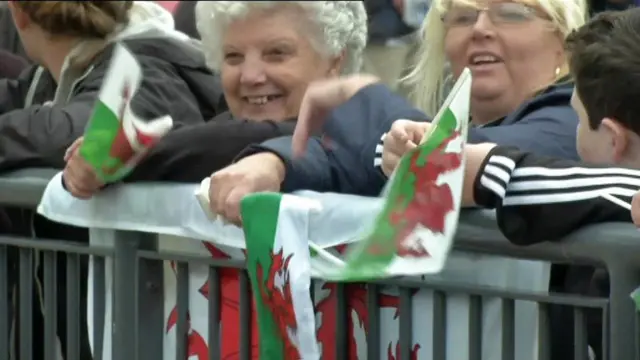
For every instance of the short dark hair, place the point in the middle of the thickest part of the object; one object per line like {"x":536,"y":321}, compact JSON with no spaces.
{"x":604,"y":60}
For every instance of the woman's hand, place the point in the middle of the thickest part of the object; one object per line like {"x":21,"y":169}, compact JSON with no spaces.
{"x":255,"y":173}
{"x":78,"y":176}
{"x":320,"y":98}
{"x":403,"y":136}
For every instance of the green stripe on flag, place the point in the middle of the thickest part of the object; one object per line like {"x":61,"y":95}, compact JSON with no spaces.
{"x":260,"y":230}
{"x":99,"y":136}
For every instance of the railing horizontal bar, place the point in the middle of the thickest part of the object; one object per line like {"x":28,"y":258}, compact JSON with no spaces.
{"x":194,"y":259}
{"x":54,"y":245}
{"x":487,"y":291}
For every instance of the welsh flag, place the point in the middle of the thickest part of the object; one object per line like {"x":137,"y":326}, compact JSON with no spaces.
{"x":280,"y":273}
{"x":412,"y":234}
{"x":116,"y":139}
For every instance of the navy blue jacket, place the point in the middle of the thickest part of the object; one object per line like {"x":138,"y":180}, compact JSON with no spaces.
{"x":349,"y":163}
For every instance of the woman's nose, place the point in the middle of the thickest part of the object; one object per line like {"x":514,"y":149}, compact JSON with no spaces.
{"x":483,"y":26}
{"x":252,"y":73}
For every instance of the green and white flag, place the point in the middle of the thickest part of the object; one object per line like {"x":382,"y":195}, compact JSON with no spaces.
{"x":116,"y":139}
{"x":280,"y":273}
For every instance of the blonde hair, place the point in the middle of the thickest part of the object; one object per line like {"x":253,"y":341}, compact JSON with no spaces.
{"x":427,"y":78}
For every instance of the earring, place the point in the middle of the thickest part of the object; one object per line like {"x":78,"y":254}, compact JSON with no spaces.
{"x":557,"y":71}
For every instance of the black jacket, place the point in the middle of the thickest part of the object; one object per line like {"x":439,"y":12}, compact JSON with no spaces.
{"x":540,"y":198}
{"x":175,"y":82}
{"x":190,"y":154}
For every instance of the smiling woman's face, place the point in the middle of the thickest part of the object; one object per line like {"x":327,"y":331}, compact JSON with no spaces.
{"x":268,"y":62}
{"x":510,"y":47}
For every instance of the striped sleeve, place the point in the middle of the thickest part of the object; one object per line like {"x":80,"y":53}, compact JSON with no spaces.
{"x":544,"y":199}
{"x":377,"y":159}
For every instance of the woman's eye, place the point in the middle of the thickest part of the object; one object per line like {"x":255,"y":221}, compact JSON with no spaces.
{"x":276,"y":54}
{"x":232,"y":58}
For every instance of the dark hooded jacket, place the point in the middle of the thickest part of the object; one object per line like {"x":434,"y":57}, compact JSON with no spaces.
{"x":39,"y":119}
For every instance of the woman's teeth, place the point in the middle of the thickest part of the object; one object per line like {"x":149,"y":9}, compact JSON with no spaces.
{"x":260,"y":100}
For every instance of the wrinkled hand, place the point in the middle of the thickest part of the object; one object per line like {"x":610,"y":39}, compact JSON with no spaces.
{"x":319,"y":99}
{"x":79,"y":178}
{"x":635,"y":209}
{"x":255,"y":173}
{"x":403,"y":136}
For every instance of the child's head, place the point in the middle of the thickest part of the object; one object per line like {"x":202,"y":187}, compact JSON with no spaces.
{"x":605,"y":63}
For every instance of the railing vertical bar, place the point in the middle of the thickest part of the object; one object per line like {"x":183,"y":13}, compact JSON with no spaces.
{"x":98,"y":266}
{"x":624,"y":278}
{"x":581,"y":348}
{"x":544,"y":330}
{"x":4,"y":304}
{"x":72,"y":305}
{"x":245,"y":316}
{"x":342,"y":348}
{"x":508,"y":329}
{"x":50,"y":307}
{"x":373,"y":332}
{"x":25,"y":299}
{"x":405,"y":323}
{"x":214,"y":314}
{"x":126,"y":279}
{"x":606,"y":355}
{"x":475,"y":327}
{"x":182,"y":306}
{"x":439,"y":330}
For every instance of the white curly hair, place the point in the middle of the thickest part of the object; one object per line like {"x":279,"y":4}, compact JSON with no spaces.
{"x":341,"y":25}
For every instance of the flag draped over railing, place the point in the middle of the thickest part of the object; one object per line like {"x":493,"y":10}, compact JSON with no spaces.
{"x":411,"y":235}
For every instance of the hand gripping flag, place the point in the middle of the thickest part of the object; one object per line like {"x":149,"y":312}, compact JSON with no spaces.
{"x":412,"y":235}
{"x":116,"y":139}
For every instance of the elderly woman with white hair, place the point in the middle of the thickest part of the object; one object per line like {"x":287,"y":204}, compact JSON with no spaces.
{"x":267,"y":53}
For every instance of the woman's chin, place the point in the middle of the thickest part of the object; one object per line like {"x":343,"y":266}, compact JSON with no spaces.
{"x":486,"y":90}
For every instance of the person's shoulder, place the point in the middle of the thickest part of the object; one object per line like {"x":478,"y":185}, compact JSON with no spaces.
{"x":552,"y":104}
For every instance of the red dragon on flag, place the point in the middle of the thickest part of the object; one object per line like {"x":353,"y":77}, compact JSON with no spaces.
{"x":279,"y":301}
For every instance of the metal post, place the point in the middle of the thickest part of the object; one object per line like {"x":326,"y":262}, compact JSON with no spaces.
{"x":624,"y":279}
{"x":150,"y":302}
{"x":125,"y":286}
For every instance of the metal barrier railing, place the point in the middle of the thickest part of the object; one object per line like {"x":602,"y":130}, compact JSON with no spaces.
{"x":55,"y":271}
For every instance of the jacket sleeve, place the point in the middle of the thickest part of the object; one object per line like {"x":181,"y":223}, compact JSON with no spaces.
{"x":540,"y":198}
{"x":549,"y":131}
{"x":37,"y":136}
{"x":343,"y":159}
{"x":192,"y":153}
{"x":313,"y":171}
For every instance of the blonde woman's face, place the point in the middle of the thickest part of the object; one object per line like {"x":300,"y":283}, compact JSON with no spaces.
{"x":510,"y":47}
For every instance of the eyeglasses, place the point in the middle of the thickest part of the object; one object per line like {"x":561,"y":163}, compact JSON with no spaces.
{"x":499,"y":13}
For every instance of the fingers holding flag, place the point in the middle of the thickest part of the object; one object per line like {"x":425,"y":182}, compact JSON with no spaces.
{"x":403,"y":136}
{"x":78,"y":176}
